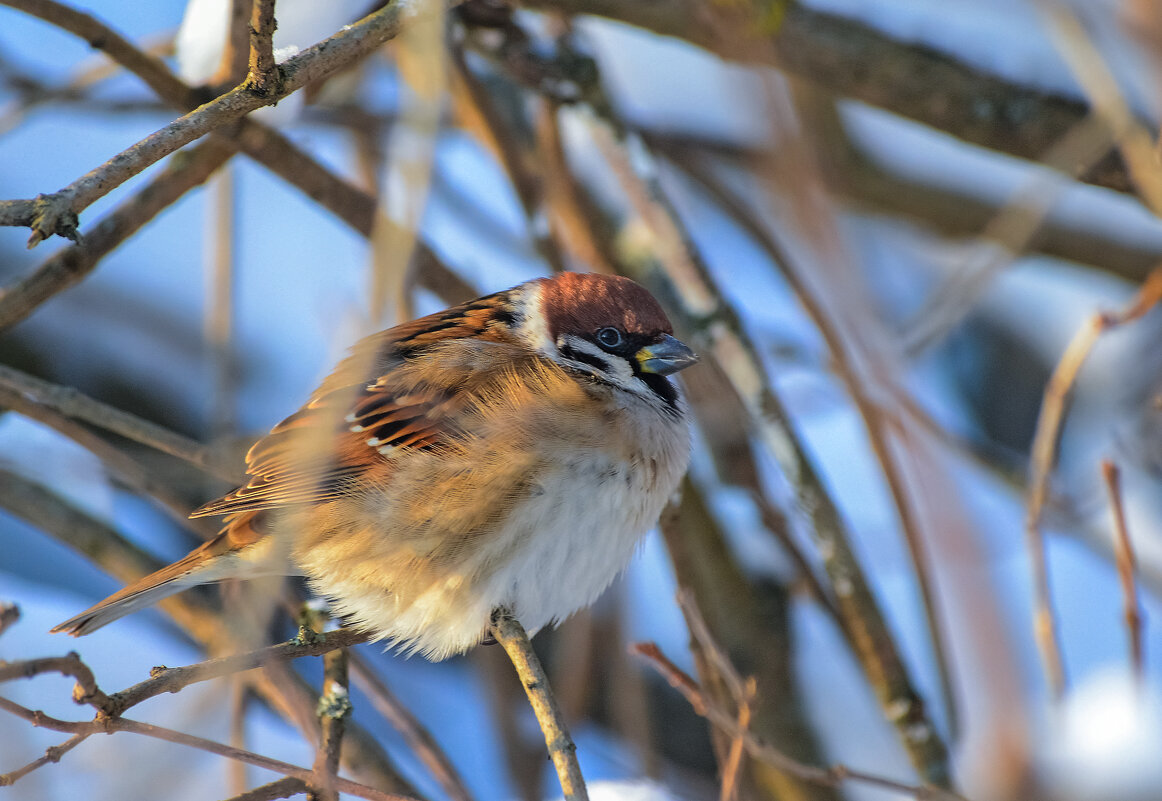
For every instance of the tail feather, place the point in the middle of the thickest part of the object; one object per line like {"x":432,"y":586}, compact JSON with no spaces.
{"x":233,"y":553}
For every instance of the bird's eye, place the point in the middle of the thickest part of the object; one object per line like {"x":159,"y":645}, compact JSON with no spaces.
{"x":609,"y":337}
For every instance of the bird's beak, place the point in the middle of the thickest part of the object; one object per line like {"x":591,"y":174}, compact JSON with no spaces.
{"x":665,"y":357}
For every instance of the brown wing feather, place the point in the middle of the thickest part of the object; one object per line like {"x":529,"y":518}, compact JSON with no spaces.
{"x":363,"y":415}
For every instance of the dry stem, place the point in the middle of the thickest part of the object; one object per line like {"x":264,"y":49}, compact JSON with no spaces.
{"x":1044,"y":456}
{"x":833,"y":777}
{"x":1127,"y":567}
{"x":515,"y":641}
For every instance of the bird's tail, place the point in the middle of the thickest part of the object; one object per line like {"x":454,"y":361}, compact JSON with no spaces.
{"x":235,"y":553}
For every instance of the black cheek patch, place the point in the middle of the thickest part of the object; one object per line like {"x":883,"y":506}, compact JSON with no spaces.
{"x":584,"y":358}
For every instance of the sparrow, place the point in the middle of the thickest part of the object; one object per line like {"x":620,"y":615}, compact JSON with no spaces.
{"x":508,"y":453}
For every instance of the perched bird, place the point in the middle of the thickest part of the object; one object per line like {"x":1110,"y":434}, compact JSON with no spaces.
{"x":507,"y":452}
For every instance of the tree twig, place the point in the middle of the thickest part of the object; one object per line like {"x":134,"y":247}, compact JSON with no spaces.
{"x":76,"y":405}
{"x":854,"y":59}
{"x":9,"y":614}
{"x":333,"y":710}
{"x":50,"y":214}
{"x":515,"y":641}
{"x":833,"y":777}
{"x":264,"y":78}
{"x":52,"y":754}
{"x":171,"y":680}
{"x":1127,"y":568}
{"x":71,"y":264}
{"x":418,"y":739}
{"x":279,"y":788}
{"x":1043,"y":457}
{"x":109,"y":725}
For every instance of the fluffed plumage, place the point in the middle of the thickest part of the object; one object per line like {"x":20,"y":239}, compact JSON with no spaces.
{"x":506,"y":452}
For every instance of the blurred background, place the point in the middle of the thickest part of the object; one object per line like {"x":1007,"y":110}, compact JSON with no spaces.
{"x":882,"y":224}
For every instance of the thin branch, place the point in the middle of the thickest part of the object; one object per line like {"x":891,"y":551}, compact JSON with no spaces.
{"x":833,"y":777}
{"x":9,"y":614}
{"x":1127,"y":568}
{"x":515,"y":641}
{"x":125,"y":467}
{"x":271,"y":149}
{"x":857,"y":60}
{"x":279,"y":788}
{"x":52,"y":754}
{"x":107,"y":726}
{"x":1043,"y":457}
{"x":732,"y":768}
{"x":58,"y":212}
{"x":333,"y":710}
{"x":71,"y":264}
{"x":418,"y":739}
{"x":264,"y":78}
{"x":709,"y":311}
{"x":86,"y":690}
{"x":236,"y":54}
{"x":72,"y":404}
{"x":171,"y":680}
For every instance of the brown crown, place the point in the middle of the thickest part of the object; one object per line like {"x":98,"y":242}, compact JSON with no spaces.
{"x":581,"y":303}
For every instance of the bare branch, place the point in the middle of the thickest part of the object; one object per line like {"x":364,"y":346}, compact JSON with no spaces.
{"x":71,"y":264}
{"x":759,"y":749}
{"x":9,"y":614}
{"x":515,"y":641}
{"x":1127,"y":567}
{"x":333,"y":710}
{"x":72,"y":404}
{"x":86,"y":690}
{"x":171,"y":680}
{"x":52,"y":754}
{"x":55,"y":213}
{"x":418,"y":739}
{"x":1044,"y":456}
{"x":103,"y":726}
{"x":265,"y":78}
{"x":853,"y":59}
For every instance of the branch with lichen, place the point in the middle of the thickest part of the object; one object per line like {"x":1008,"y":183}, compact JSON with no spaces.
{"x":512,"y":637}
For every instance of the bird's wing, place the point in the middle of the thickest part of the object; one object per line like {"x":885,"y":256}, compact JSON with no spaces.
{"x":393,"y":395}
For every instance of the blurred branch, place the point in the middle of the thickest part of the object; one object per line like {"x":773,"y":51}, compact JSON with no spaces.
{"x":706,"y":310}
{"x":1127,"y":568}
{"x":855,"y":60}
{"x":125,"y":467}
{"x":833,"y":777}
{"x":203,"y":621}
{"x":515,"y":641}
{"x":57,"y":213}
{"x":757,"y":634}
{"x":108,"y":726}
{"x":103,"y":545}
{"x":1044,"y":455}
{"x":418,"y":739}
{"x":72,"y":404}
{"x":845,"y":364}
{"x":279,"y":788}
{"x":483,"y":117}
{"x":71,"y":264}
{"x":9,"y":614}
{"x":1134,"y":139}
